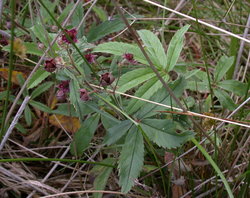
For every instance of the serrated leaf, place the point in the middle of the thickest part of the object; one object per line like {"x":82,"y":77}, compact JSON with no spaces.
{"x":235,"y":86}
{"x":69,"y":110}
{"x":40,"y":106}
{"x":28,"y":115}
{"x":154,"y":47}
{"x":102,"y":174}
{"x":43,"y":36}
{"x":162,"y":96}
{"x":145,"y":91}
{"x":65,"y":13}
{"x":84,"y":135}
{"x":74,"y":96}
{"x":105,"y":28}
{"x":41,"y":89}
{"x":162,"y":132}
{"x":134,"y":78}
{"x":175,"y":47}
{"x":77,"y":18}
{"x":37,"y":78}
{"x":225,"y":99}
{"x":117,"y":132}
{"x":222,"y":67}
{"x":119,"y":48}
{"x":131,"y":159}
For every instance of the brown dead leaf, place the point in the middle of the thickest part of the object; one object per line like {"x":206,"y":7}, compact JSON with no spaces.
{"x":19,"y":48}
{"x":4,"y":74}
{"x":70,"y":124}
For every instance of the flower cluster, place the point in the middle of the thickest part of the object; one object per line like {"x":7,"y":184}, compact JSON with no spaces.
{"x":63,"y":90}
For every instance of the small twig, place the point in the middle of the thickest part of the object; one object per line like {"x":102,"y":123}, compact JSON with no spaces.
{"x":242,"y":44}
{"x":19,"y":179}
{"x":5,"y":34}
{"x":92,"y":191}
{"x":15,"y":120}
{"x":198,"y":20}
{"x":86,"y":14}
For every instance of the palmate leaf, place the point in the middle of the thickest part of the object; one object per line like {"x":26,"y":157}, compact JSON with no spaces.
{"x":131,"y":159}
{"x":162,"y":132}
{"x":154,"y":47}
{"x":117,"y":132}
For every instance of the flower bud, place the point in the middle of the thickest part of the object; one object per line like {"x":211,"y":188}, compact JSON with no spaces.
{"x":72,"y":34}
{"x":90,"y":58}
{"x":50,"y":65}
{"x":84,"y":95}
{"x":129,"y":57}
{"x":107,"y":79}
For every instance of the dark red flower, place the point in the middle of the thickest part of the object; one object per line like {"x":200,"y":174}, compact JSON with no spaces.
{"x":63,"y":90}
{"x":64,"y":85}
{"x":50,"y":65}
{"x":107,"y":79}
{"x":4,"y":41}
{"x":129,"y":57}
{"x":90,"y":57}
{"x":84,"y":95}
{"x":72,"y":34}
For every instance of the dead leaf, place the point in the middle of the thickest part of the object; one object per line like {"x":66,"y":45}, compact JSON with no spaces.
{"x":4,"y":72}
{"x":19,"y":48}
{"x":70,"y":124}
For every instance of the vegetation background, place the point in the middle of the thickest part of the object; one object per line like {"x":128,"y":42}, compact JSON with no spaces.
{"x":105,"y":98}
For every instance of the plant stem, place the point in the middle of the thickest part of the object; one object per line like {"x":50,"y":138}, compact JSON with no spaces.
{"x":11,"y":66}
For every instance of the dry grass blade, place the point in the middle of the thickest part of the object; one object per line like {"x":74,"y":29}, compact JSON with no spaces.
{"x":198,"y":20}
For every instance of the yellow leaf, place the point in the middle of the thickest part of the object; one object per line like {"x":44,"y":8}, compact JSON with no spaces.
{"x":4,"y":74}
{"x":19,"y":48}
{"x":70,"y":124}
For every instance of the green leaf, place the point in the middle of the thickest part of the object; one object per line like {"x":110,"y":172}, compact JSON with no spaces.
{"x":224,"y":64}
{"x":162,"y":96}
{"x":105,"y":28}
{"x":42,"y":88}
{"x":119,"y":48}
{"x":202,"y":87}
{"x":101,"y":13}
{"x":145,"y":91}
{"x":134,"y":78}
{"x":40,"y":106}
{"x":28,"y":115}
{"x":117,"y":132}
{"x":162,"y":132}
{"x":43,"y":36}
{"x":20,"y":128}
{"x":69,"y":110}
{"x":175,"y":47}
{"x":74,"y":96}
{"x":225,"y":99}
{"x":154,"y":47}
{"x":102,"y":174}
{"x":33,"y":49}
{"x":235,"y":86}
{"x":131,"y":159}
{"x":76,"y":19}
{"x":84,"y":135}
{"x":65,"y":13}
{"x":37,"y":78}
